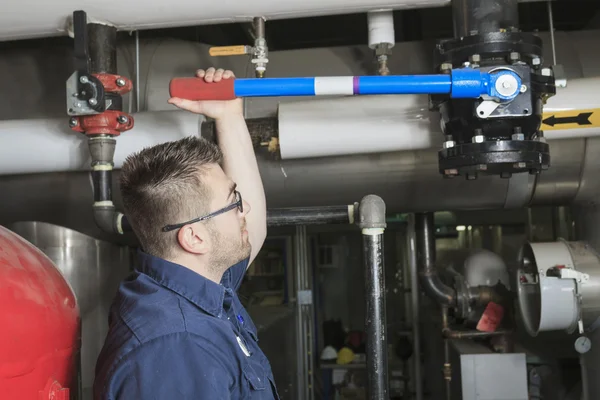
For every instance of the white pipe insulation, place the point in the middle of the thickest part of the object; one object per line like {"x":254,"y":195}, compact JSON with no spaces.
{"x":355,"y":125}
{"x":34,"y":18}
{"x":381,"y":28}
{"x":375,"y":124}
{"x":315,"y":128}
{"x":49,"y":145}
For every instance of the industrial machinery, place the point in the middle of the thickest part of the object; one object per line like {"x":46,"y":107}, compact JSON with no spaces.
{"x":489,"y":88}
{"x":490,"y":94}
{"x":494,"y":134}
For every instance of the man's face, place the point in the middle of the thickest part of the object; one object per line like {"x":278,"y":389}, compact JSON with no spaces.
{"x":231,"y":242}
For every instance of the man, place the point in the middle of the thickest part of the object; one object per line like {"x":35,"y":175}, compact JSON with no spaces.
{"x":177,"y":328}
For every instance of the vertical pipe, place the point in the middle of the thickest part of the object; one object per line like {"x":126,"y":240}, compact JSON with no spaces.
{"x":430,"y":281}
{"x":585,"y":386}
{"x":415,"y":292}
{"x":447,"y":366}
{"x":472,"y":17}
{"x":375,"y":319}
{"x":372,"y":223}
{"x":102,"y":48}
{"x":300,"y":350}
{"x":137,"y":71}
{"x":259,"y":27}
{"x":551,"y":19}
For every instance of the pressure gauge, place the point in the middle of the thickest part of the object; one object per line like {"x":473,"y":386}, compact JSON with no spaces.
{"x":583,"y":344}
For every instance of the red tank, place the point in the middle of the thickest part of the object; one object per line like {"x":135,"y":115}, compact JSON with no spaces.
{"x":39,"y":324}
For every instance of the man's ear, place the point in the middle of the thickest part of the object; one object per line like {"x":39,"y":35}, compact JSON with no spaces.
{"x":194,"y":238}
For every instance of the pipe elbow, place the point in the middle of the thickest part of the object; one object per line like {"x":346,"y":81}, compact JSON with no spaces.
{"x":436,"y":289}
{"x":371,"y":213}
{"x":110,"y":220}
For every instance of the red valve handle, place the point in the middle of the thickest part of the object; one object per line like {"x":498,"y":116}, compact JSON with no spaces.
{"x":198,"y":89}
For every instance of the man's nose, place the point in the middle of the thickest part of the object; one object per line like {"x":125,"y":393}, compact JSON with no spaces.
{"x":247,"y":207}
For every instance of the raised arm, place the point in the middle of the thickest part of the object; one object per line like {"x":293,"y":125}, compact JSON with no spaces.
{"x":239,"y":159}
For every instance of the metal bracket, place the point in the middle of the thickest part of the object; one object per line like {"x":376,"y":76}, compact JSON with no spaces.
{"x":486,"y":108}
{"x":85,"y":95}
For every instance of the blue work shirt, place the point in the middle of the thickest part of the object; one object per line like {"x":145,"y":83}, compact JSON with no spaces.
{"x":174,"y":334}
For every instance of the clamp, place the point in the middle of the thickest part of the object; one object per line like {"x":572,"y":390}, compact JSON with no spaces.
{"x":94,"y":99}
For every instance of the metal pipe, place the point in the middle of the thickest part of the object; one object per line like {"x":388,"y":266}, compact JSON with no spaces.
{"x":414,"y":293}
{"x":137,"y":71}
{"x":460,"y":83}
{"x":312,"y":215}
{"x":447,"y":365}
{"x":551,"y":20}
{"x":430,"y":281}
{"x":372,"y":222}
{"x":102,"y":48}
{"x":472,"y":17}
{"x":450,"y":334}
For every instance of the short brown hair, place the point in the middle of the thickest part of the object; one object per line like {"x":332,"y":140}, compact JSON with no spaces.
{"x":160,"y":185}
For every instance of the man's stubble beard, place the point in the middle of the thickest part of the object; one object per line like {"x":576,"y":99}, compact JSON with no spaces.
{"x":228,"y":251}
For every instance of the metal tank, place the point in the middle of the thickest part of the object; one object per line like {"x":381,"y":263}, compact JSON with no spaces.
{"x":94,"y":269}
{"x":39,"y":339}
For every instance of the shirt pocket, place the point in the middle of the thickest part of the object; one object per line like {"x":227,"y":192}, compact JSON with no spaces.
{"x":255,"y":375}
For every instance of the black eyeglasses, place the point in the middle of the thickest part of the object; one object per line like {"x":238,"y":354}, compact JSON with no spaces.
{"x":238,"y":203}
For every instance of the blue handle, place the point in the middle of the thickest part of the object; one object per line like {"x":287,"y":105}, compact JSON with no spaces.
{"x":461,"y":83}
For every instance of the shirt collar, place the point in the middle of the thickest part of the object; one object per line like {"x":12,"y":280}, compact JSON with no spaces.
{"x":203,"y":292}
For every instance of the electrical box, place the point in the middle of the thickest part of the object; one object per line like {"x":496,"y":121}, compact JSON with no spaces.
{"x":480,"y":374}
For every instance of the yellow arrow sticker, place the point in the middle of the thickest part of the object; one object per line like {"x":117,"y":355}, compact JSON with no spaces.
{"x":572,"y":119}
{"x":228,"y":51}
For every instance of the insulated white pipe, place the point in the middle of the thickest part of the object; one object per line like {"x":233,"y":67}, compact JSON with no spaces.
{"x":580,"y":94}
{"x":49,"y":145}
{"x":354,"y":125}
{"x":33,"y":18}
{"x":315,"y":128}
{"x":374,"y":124}
{"x":381,"y":28}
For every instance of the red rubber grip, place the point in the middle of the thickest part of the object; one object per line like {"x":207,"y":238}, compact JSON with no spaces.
{"x":198,"y":89}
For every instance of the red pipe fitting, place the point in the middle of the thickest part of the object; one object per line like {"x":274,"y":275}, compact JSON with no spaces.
{"x":110,"y":122}
{"x":116,"y":84}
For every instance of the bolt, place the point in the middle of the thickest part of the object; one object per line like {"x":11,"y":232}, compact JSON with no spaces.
{"x":450,"y":172}
{"x":518,"y":136}
{"x":519,"y":165}
{"x":523,"y":88}
{"x":73,"y":122}
{"x":122,"y":119}
{"x":77,"y":104}
{"x":449,"y":144}
{"x":546,"y":72}
{"x":84,"y":79}
{"x":93,"y":101}
{"x":514,"y":56}
{"x":506,"y":84}
{"x":536,"y":61}
{"x":121,"y":82}
{"x":478,"y":139}
{"x":475,"y":59}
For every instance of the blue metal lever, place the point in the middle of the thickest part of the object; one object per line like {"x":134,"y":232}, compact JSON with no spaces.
{"x":460,"y":83}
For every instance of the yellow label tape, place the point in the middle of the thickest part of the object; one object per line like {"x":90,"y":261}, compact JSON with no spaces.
{"x":572,"y":119}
